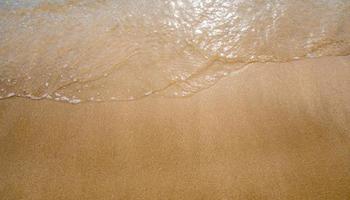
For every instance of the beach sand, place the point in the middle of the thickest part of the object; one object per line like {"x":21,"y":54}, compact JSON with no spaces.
{"x":273,"y":131}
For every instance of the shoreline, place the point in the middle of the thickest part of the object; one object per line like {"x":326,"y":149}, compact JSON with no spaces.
{"x":158,"y":92}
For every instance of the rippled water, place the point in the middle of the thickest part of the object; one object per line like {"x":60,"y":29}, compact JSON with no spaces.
{"x":98,"y":50}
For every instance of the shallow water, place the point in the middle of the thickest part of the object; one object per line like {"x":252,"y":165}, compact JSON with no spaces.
{"x":76,"y":51}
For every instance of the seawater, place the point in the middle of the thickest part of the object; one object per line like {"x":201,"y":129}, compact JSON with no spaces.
{"x":98,"y":50}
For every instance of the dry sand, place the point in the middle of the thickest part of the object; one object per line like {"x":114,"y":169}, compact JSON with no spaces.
{"x":274,"y":131}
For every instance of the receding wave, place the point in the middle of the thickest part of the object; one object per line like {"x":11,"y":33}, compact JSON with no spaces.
{"x":77,"y":51}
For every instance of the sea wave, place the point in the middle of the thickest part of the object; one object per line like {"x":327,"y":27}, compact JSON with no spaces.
{"x":83,"y":50}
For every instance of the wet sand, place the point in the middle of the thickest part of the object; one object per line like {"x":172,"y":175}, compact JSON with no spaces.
{"x":274,"y":131}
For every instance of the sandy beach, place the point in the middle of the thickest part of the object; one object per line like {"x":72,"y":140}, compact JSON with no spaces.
{"x":273,"y":131}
